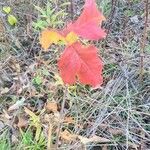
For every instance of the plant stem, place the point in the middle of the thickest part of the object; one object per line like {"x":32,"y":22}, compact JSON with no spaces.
{"x":72,"y":9}
{"x":143,"y":43}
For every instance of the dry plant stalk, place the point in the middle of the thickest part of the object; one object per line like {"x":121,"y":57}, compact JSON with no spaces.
{"x":61,"y":116}
{"x":143,"y":42}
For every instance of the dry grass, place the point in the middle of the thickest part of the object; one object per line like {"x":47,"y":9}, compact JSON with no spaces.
{"x":119,"y":111}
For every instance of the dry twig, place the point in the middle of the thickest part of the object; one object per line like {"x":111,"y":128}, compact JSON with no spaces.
{"x":61,"y":116}
{"x":143,"y":42}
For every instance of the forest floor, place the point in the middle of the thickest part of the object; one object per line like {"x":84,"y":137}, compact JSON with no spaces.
{"x":115,"y":116}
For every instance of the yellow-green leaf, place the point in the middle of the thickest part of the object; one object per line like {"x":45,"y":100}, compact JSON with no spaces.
{"x":12,"y":20}
{"x":6,"y":9}
{"x":35,"y":121}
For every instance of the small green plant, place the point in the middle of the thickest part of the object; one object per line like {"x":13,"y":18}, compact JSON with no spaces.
{"x":37,"y":80}
{"x":4,"y":140}
{"x":4,"y":144}
{"x":12,"y":20}
{"x":7,"y":9}
{"x":49,"y":16}
{"x":29,"y":142}
{"x":78,"y":62}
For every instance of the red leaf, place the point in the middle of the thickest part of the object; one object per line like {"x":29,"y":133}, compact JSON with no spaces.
{"x":78,"y":61}
{"x":87,"y":25}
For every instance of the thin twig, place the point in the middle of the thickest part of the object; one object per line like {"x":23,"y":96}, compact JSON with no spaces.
{"x":111,"y":17}
{"x":143,"y":43}
{"x":61,"y":116}
{"x":72,"y":9}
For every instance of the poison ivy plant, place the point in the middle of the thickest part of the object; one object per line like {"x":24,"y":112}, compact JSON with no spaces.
{"x":79,"y":62}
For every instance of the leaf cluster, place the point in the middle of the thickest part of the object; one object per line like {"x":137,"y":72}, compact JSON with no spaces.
{"x":12,"y":20}
{"x":50,"y":16}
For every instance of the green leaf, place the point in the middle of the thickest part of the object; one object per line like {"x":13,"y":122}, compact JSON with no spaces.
{"x":12,"y":20}
{"x":37,"y":80}
{"x":6,"y":9}
{"x":40,"y":24}
{"x":35,"y":122}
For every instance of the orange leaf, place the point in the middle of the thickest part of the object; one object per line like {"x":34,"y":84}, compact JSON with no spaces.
{"x":81,"y":62}
{"x":71,"y":38}
{"x":49,"y":37}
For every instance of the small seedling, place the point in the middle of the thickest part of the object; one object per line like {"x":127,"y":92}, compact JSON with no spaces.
{"x":7,"y":9}
{"x":78,"y":62}
{"x":12,"y":20}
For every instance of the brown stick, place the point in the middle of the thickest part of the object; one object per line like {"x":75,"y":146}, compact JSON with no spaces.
{"x":72,"y":9}
{"x":143,"y":43}
{"x":61,"y":117}
{"x":111,"y":17}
